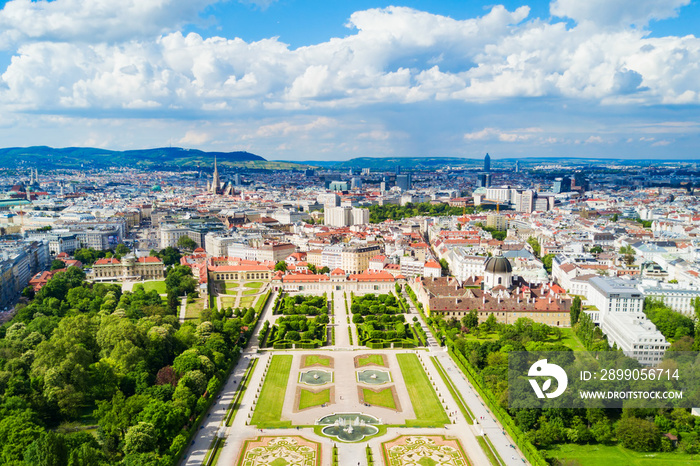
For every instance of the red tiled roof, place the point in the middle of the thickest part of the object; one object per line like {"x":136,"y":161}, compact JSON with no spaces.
{"x":433,"y":265}
{"x":150,"y":260}
{"x":338,"y":271}
{"x":370,"y":276}
{"x":240,"y":268}
{"x":107,"y":261}
{"x":304,"y":277}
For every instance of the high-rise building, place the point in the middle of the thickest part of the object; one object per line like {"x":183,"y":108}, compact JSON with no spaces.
{"x":579,"y":182}
{"x":527,"y":201}
{"x":487,"y":163}
{"x":484,"y":180}
{"x":561,"y":185}
{"x":404,"y":182}
{"x":356,"y":182}
{"x":517,"y":166}
{"x":397,"y":170}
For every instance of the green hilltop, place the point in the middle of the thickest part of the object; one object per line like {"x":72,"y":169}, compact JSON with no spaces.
{"x":162,"y":157}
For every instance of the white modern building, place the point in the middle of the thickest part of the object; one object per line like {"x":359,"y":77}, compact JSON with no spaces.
{"x":614,"y":295}
{"x":621,"y":319}
{"x":636,"y":336}
{"x":676,"y":297}
{"x":345,"y":216}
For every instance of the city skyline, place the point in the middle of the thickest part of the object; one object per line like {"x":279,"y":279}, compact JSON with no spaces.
{"x":289,"y":80}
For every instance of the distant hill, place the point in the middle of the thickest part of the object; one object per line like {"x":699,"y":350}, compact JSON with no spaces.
{"x":389,"y":163}
{"x":75,"y":157}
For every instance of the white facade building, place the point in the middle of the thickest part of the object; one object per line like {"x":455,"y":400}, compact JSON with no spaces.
{"x":463,"y":265}
{"x":411,"y":267}
{"x":620,"y":305}
{"x":170,"y":234}
{"x":242,"y":251}
{"x":676,"y":297}
{"x":332,"y":257}
{"x":217,"y":245}
{"x":636,"y":336}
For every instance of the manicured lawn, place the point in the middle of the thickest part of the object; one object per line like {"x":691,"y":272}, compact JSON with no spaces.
{"x":247,"y":301}
{"x":228,"y":302}
{"x":371,"y":359}
{"x":194,"y":309}
{"x":309,"y":398}
{"x":487,"y":451}
{"x":569,"y":338}
{"x":159,"y":286}
{"x":382,"y":398}
{"x":255,"y":285}
{"x":482,"y":336}
{"x":316,"y":359}
{"x":426,"y":404}
{"x":268,"y":411}
{"x":230,"y":287}
{"x":594,"y":455}
{"x":249,"y":292}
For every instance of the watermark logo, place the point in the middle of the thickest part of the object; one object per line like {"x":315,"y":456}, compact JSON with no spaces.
{"x":543,"y":369}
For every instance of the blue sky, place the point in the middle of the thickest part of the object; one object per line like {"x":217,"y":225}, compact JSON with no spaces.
{"x":303,"y":80}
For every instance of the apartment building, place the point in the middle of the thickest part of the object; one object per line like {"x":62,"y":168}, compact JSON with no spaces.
{"x":356,"y":259}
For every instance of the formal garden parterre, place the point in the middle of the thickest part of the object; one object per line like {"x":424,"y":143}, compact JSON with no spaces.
{"x":303,"y":323}
{"x":381,"y":322}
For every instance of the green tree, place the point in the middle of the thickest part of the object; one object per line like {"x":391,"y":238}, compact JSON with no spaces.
{"x":535,"y":245}
{"x":47,"y":450}
{"x":281,"y":265}
{"x":57,"y":264}
{"x":121,"y":250}
{"x":470,"y":320}
{"x":575,"y":310}
{"x":140,"y":438}
{"x":445,"y":267}
{"x":638,"y":434}
{"x":28,"y":292}
{"x":603,"y":431}
{"x":596,"y":250}
{"x":170,"y":256}
{"x":17,"y":433}
{"x":547,"y":262}
{"x":187,"y":243}
{"x":627,"y":254}
{"x":86,"y":455}
{"x":491,"y":322}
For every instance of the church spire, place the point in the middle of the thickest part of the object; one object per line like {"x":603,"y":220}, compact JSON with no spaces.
{"x":215,"y":181}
